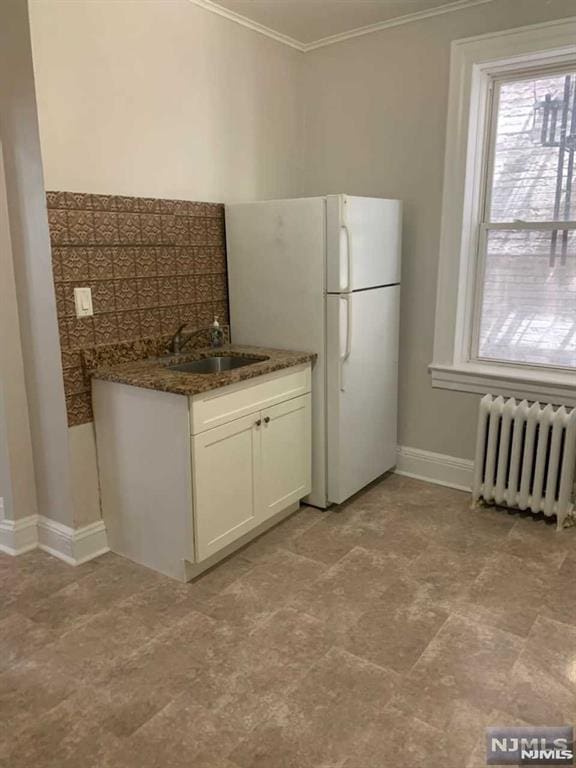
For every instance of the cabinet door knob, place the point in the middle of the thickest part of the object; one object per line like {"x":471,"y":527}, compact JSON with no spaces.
{"x":266,"y":419}
{"x":259,"y":422}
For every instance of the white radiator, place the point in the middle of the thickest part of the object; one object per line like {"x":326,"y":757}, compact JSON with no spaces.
{"x":526,"y":457}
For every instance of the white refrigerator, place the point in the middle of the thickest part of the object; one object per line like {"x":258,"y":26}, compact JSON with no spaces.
{"x":323,"y":274}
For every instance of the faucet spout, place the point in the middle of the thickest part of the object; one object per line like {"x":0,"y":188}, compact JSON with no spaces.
{"x":177,"y":341}
{"x":218,"y":336}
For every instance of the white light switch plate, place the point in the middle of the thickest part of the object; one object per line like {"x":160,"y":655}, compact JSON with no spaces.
{"x":83,"y":302}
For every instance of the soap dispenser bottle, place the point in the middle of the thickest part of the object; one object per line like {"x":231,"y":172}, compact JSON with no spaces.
{"x":216,"y":334}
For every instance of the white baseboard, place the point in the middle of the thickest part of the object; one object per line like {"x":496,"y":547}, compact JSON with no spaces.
{"x":73,"y":545}
{"x":77,"y":546}
{"x":17,"y":536}
{"x":434,"y":467}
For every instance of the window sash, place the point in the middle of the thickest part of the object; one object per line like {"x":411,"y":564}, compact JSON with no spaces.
{"x":539,"y":225}
{"x":479,"y":284}
{"x":491,"y":107}
{"x":485,"y":225}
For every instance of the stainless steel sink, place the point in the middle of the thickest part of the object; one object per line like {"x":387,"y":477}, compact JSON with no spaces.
{"x":216,"y":364}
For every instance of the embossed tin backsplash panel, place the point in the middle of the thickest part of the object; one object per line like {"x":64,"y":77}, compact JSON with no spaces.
{"x":152,"y":264}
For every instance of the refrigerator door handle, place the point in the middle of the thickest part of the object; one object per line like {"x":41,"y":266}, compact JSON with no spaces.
{"x":348,"y":286}
{"x":348,"y":348}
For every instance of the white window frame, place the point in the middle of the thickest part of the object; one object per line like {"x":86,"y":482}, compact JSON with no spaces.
{"x":474,"y":63}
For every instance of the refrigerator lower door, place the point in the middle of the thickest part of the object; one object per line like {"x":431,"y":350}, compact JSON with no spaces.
{"x":362,"y":390}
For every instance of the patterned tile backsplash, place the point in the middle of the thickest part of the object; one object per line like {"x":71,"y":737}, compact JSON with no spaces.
{"x":151,"y":264}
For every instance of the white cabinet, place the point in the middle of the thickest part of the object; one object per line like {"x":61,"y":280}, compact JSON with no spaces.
{"x":185,"y":480}
{"x":225,"y":466}
{"x":246,"y":471}
{"x":285,"y":455}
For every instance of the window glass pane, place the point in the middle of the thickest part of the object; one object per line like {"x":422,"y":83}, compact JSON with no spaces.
{"x":534,"y":174}
{"x":528,"y":312}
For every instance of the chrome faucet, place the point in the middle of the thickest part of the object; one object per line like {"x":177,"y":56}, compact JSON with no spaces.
{"x":178,"y":341}
{"x":181,"y":338}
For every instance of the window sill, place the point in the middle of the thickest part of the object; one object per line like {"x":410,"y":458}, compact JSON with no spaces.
{"x":556,"y":387}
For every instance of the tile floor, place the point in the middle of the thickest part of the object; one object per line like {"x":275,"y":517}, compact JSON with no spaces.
{"x":386,"y":633}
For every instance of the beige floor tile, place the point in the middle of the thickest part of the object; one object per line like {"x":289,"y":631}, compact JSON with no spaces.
{"x":398,"y":537}
{"x":362,"y":514}
{"x":326,"y":542}
{"x":254,"y":670}
{"x":183,"y":734}
{"x":20,"y":637}
{"x":323,"y":719}
{"x":465,"y":530}
{"x":552,"y":645}
{"x":538,"y":697}
{"x":397,"y":627}
{"x":280,"y":650}
{"x":559,"y":603}
{"x":535,"y":540}
{"x":67,"y":736}
{"x":404,"y":492}
{"x":493,"y":522}
{"x":266,"y":587}
{"x":448,"y":574}
{"x":281,"y":535}
{"x":467,"y":730}
{"x":27,"y":691}
{"x":73,"y":604}
{"x":138,"y":687}
{"x":346,"y":590}
{"x":496,"y":718}
{"x":386,"y":632}
{"x":174,"y":659}
{"x":402,"y":741}
{"x":464,"y":662}
{"x":221,"y":576}
{"x":509,"y":592}
{"x":374,"y":528}
{"x":89,"y":650}
{"x":35,"y":575}
{"x":568,"y":567}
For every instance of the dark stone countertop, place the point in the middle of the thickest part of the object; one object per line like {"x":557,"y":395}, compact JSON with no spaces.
{"x":153,"y":373}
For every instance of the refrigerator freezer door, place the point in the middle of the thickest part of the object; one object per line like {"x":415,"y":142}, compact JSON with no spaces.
{"x":364,"y":242}
{"x":362,"y":355}
{"x":276,"y":275}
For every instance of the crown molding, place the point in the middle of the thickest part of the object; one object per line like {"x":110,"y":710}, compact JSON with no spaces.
{"x":249,"y":24}
{"x":396,"y":22}
{"x":456,"y":5}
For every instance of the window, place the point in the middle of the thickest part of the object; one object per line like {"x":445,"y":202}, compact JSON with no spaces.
{"x":527,"y":243}
{"x":506,"y":294}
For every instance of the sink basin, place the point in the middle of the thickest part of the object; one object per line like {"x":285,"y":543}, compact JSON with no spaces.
{"x":216,"y":364}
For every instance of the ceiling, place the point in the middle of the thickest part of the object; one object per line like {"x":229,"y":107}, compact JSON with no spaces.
{"x":309,"y":22}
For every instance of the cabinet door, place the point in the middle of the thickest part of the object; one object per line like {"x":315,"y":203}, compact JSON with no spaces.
{"x":226,"y":465}
{"x":286,"y":451}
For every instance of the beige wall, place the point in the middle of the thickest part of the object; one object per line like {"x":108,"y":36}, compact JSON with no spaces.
{"x":28,"y":228}
{"x":17,"y":482}
{"x":163,"y":98}
{"x":376,"y":123}
{"x":84,"y":469}
{"x":160,"y":99}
